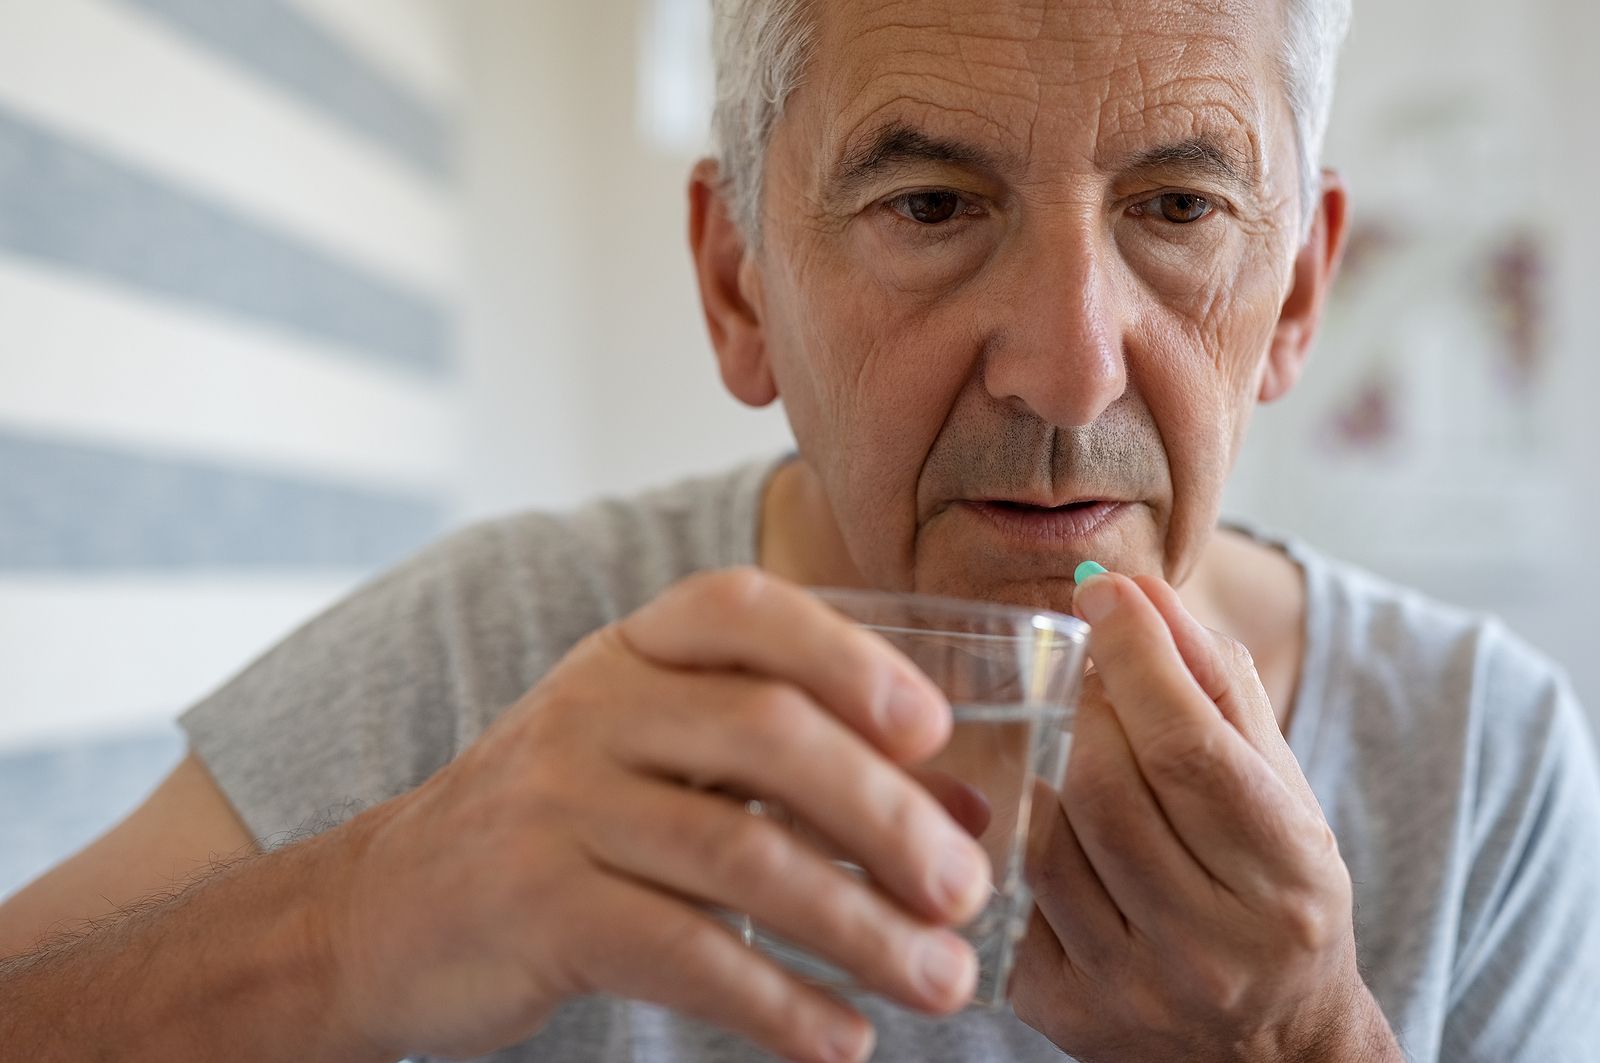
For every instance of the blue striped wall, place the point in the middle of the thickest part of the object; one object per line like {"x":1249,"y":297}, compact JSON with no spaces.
{"x":278,"y":44}
{"x":71,"y":206}
{"x":68,"y":205}
{"x":100,"y":207}
{"x":84,"y":508}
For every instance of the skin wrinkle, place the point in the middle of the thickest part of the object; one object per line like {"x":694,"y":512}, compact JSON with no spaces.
{"x":880,"y":342}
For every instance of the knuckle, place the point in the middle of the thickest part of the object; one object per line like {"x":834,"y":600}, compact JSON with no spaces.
{"x":775,"y":721}
{"x":1097,"y":809}
{"x":786,"y":1015}
{"x":1050,"y":876}
{"x":1236,"y":654}
{"x":580,"y":689}
{"x":1324,"y":847}
{"x":1095,"y":788}
{"x":1221,"y":988}
{"x":1183,"y":756}
{"x":1086,"y":785}
{"x":680,"y":940}
{"x":870,"y":658}
{"x":731,"y":592}
{"x":904,"y":812}
{"x":1024,"y":1007}
{"x":750,"y":857}
{"x":1090,"y":769}
{"x":1305,"y":922}
{"x":1316,"y":856}
{"x":858,"y":928}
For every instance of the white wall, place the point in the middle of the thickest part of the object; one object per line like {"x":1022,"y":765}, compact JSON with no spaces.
{"x":524,"y":331}
{"x":1457,"y":123}
{"x":586,"y":341}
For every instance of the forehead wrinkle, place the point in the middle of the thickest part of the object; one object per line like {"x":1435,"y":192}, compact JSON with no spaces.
{"x":1179,"y":110}
{"x":1144,"y":89}
{"x":966,"y":73}
{"x":980,"y":134}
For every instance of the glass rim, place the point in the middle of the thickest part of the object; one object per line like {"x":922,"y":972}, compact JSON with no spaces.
{"x":1027,"y":616}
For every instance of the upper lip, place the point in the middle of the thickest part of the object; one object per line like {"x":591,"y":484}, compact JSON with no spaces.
{"x":1046,"y":503}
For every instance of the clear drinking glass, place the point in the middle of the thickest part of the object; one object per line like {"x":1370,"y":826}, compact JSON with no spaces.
{"x":1011,"y":675}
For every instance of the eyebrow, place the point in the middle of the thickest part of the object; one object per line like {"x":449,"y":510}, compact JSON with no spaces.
{"x":1199,"y":154}
{"x":898,"y":144}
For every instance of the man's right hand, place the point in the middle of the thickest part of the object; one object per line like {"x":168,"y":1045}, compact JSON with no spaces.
{"x":575,"y":846}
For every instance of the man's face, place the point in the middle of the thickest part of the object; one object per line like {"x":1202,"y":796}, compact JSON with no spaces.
{"x":1020,"y":266}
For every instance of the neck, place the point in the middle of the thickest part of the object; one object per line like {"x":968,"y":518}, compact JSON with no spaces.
{"x":800,"y":539}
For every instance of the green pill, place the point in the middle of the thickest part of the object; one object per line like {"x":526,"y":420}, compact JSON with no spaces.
{"x":1087,"y":569}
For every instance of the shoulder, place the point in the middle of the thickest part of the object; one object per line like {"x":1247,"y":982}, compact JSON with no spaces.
{"x":552,"y":577}
{"x":1432,"y":699}
{"x":1394,"y":645}
{"x":642,"y":544}
{"x":375,"y":693}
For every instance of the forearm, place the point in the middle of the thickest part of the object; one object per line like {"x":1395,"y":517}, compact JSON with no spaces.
{"x":238,"y":966}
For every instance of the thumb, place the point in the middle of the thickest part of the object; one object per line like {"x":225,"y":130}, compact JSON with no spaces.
{"x":1227,"y":673}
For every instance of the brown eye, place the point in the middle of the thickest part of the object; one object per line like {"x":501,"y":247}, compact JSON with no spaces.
{"x":1182,"y":208}
{"x":929,"y":208}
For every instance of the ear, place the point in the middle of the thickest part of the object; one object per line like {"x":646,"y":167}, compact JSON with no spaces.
{"x":1315,"y":268}
{"x":730,"y":289}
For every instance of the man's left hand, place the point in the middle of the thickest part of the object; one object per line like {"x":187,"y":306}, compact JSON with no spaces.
{"x":1191,"y":900}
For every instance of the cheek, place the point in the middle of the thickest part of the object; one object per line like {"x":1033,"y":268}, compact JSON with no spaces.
{"x":1203,"y":335}
{"x":1214,"y":308}
{"x":868,"y":372}
{"x":915,"y":266}
{"x":886,"y":362}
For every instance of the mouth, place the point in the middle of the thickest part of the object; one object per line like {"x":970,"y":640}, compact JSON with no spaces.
{"x":1066,"y":523}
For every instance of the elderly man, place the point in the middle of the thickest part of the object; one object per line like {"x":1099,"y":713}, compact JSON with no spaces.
{"x":1019,"y":271}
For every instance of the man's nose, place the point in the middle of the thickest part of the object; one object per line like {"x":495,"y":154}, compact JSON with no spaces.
{"x":1059,"y":350}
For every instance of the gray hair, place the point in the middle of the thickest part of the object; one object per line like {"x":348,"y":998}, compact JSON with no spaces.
{"x":761,"y":47}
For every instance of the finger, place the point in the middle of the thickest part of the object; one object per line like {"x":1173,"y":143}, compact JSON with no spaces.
{"x":1223,"y":799}
{"x":1199,"y":649}
{"x":711,"y":849}
{"x":760,"y":737}
{"x":1068,"y":895}
{"x":1049,"y":991}
{"x":1225,"y":671}
{"x":1146,"y":868}
{"x":666,"y":952}
{"x":745,"y":619}
{"x":1134,"y":653}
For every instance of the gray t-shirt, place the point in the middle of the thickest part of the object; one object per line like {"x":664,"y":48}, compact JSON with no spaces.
{"x":1451,"y":760}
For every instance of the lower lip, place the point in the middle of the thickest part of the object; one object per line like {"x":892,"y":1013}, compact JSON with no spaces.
{"x":1050,"y":526}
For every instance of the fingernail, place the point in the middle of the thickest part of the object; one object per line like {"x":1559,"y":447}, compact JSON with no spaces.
{"x":1095,"y":598}
{"x":847,"y":1044}
{"x":945,"y":966}
{"x":960,"y":878}
{"x":1087,"y":571}
{"x":905,"y":707}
